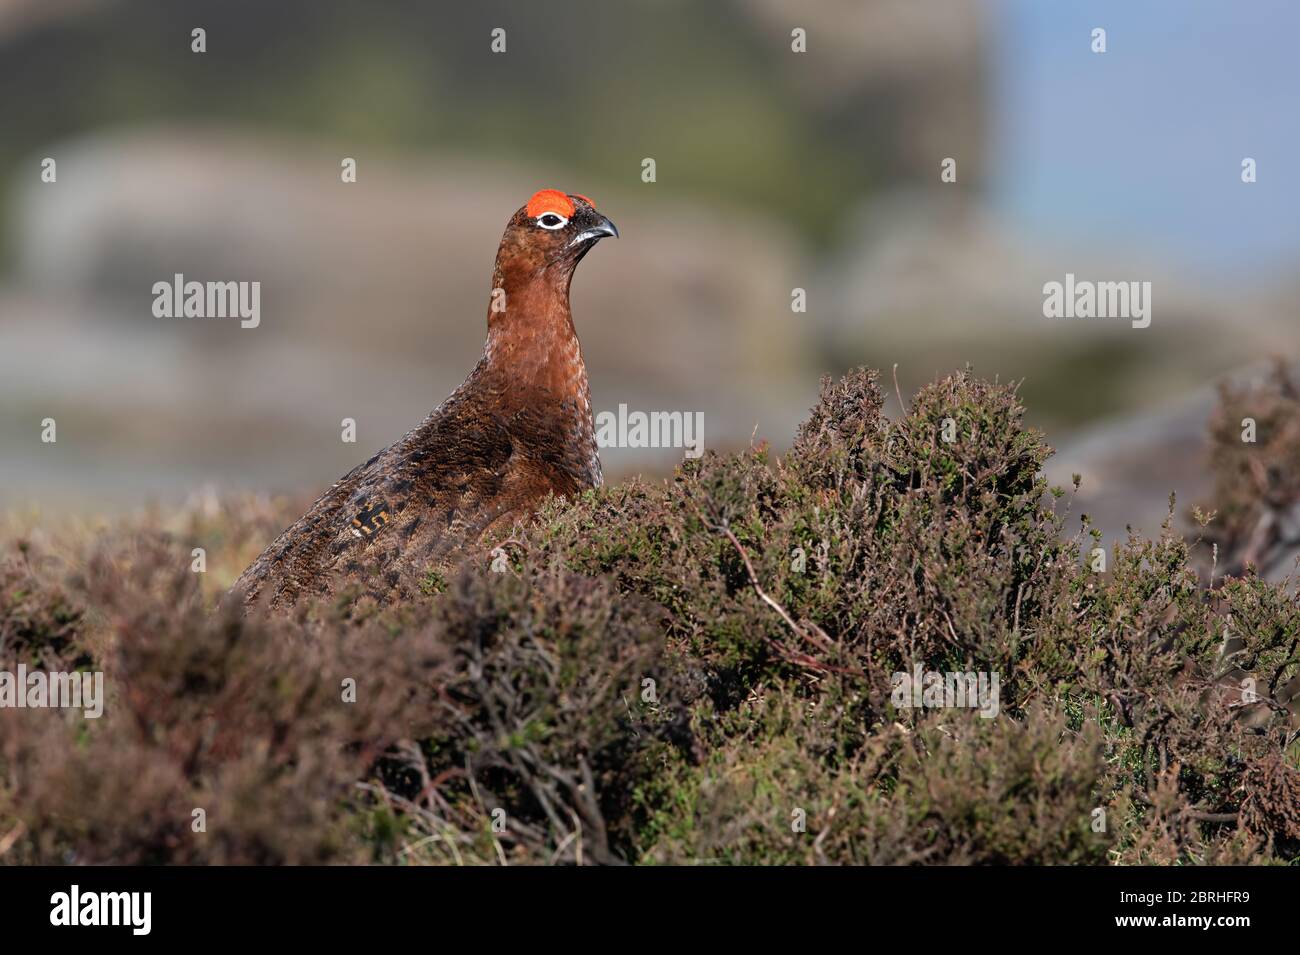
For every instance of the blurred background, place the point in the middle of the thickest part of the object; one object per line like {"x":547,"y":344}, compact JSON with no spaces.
{"x":775,"y":170}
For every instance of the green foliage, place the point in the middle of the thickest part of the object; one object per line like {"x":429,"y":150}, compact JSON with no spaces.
{"x":696,"y":671}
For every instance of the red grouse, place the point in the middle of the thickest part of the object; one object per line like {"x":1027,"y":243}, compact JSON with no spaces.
{"x":519,"y":429}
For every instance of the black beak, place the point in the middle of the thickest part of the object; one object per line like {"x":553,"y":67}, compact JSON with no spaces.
{"x":598,"y":230}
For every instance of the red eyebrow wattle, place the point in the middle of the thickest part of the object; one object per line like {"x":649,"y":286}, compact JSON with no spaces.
{"x":549,"y":200}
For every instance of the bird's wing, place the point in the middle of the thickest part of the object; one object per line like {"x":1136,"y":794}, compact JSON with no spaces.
{"x":441,"y":484}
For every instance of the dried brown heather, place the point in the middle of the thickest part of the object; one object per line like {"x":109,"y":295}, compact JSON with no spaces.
{"x":1257,"y":481}
{"x":696,"y":669}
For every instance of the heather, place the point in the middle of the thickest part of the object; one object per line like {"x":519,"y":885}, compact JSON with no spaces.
{"x":697,"y":670}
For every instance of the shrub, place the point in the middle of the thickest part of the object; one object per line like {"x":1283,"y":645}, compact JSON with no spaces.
{"x":703,"y":669}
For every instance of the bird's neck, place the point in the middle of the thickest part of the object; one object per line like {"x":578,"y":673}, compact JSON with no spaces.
{"x":531,"y":337}
{"x":534,"y":362}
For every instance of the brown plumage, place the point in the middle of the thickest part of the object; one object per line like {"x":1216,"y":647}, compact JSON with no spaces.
{"x":519,"y":429}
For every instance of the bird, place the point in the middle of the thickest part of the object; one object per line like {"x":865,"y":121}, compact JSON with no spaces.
{"x":517,"y":431}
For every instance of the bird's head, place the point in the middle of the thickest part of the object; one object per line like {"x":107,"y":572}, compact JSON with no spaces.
{"x":554,"y":231}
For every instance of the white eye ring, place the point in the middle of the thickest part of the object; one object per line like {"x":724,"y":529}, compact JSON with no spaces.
{"x":560,"y":223}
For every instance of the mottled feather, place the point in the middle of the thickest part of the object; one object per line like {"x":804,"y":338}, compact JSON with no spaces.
{"x":516,"y":431}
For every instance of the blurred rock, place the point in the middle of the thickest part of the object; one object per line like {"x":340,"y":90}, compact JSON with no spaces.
{"x":917,"y":69}
{"x":1130,"y":466}
{"x":932,"y":281}
{"x":374,"y":302}
{"x":19,"y":16}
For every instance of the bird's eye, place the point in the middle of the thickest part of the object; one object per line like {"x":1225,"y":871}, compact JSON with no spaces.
{"x":552,"y":221}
